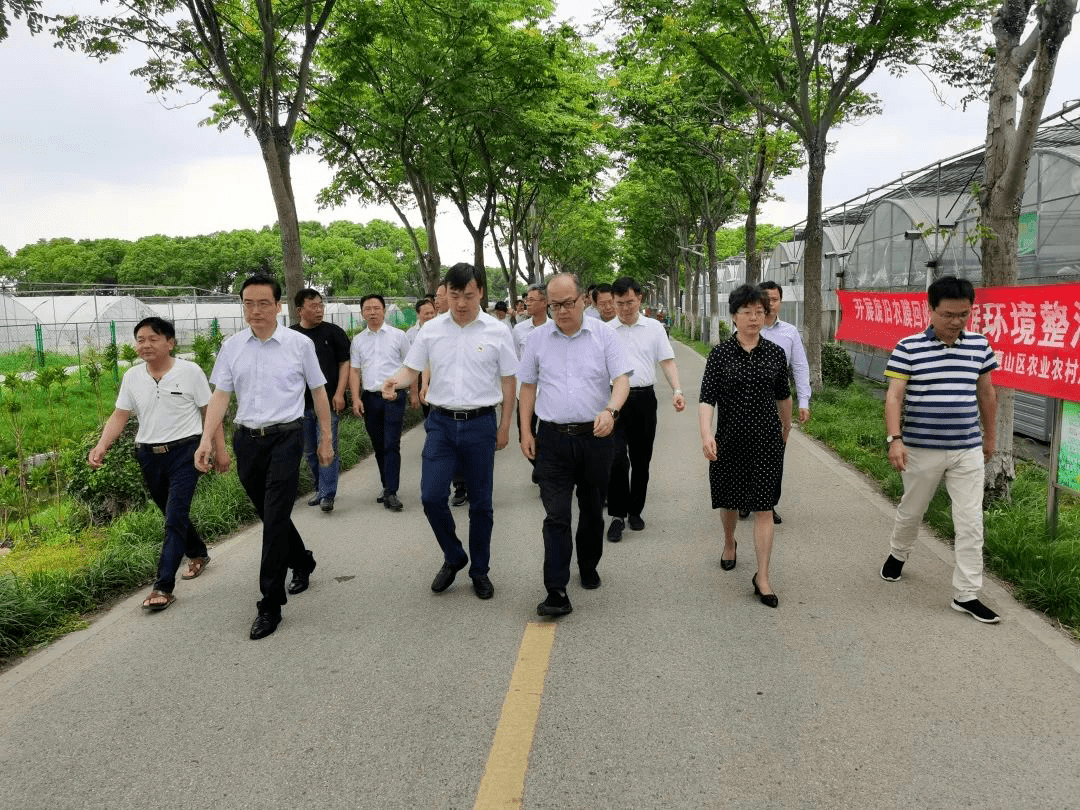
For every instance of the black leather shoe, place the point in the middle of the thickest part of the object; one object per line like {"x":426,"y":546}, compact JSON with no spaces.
{"x":483,"y":587}
{"x":767,"y":599}
{"x":264,"y":625}
{"x":327,"y":504}
{"x":728,"y":565}
{"x":314,"y":500}
{"x":556,"y":604}
{"x":391,"y":502}
{"x":776,"y":518}
{"x":744,"y":514}
{"x":615,"y":530}
{"x":300,"y":578}
{"x":590,"y":580}
{"x":445,"y":577}
{"x":635,"y":522}
{"x":461,"y":496}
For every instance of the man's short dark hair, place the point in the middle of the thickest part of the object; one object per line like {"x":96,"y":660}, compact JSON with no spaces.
{"x":262,"y":278}
{"x":772,"y":285}
{"x":600,"y":288}
{"x":157,"y":324}
{"x":305,"y":295}
{"x":540,"y":288}
{"x":624,"y":284}
{"x":747,"y":294}
{"x":949,"y":287}
{"x":421,"y":303}
{"x":501,"y":306}
{"x":459,"y":276}
{"x":376,"y":296}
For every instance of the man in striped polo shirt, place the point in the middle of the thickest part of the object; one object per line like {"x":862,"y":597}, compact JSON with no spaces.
{"x":940,"y":378}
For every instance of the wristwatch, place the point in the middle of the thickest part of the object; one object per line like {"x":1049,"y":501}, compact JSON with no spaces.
{"x":613,"y":411}
{"x":890,"y":439}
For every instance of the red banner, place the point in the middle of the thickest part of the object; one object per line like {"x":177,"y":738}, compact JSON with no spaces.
{"x":1034,"y":331}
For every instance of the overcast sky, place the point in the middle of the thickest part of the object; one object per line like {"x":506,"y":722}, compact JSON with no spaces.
{"x":85,"y":152}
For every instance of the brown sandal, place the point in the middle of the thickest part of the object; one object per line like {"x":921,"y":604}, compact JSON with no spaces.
{"x":156,"y":606}
{"x":195,"y":567}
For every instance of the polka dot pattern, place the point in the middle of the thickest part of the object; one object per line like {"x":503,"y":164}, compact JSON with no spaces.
{"x":744,"y":387}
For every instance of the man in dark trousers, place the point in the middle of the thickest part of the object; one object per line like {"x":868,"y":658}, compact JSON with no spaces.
{"x":168,"y":396}
{"x":268,"y":367}
{"x":575,"y":375}
{"x":472,"y":361}
{"x":646,"y":344}
{"x":332,"y":349}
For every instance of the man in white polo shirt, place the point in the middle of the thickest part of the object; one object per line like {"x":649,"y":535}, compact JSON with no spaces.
{"x":646,"y":344}
{"x":939,"y":381}
{"x":168,"y":396}
{"x":269,"y":366}
{"x":376,"y":353}
{"x":472,"y":361}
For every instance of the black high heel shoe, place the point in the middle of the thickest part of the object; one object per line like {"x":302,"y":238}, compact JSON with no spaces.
{"x":767,"y":599}
{"x":728,"y":565}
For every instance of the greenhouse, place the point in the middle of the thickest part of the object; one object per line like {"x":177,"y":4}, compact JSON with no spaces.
{"x":922,"y":226}
{"x":72,"y":323}
{"x":17,"y":324}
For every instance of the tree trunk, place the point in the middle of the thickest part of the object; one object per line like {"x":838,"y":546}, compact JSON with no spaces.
{"x":276,"y":153}
{"x":754,"y":194}
{"x":812,"y":255}
{"x":714,"y":281}
{"x":1009,"y":144}
{"x":424,"y":194}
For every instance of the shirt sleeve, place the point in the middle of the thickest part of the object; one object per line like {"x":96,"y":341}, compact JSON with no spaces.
{"x":354,"y":352}
{"x":124,"y":400}
{"x":615,"y":355}
{"x":528,"y":370}
{"x":800,"y":368}
{"x":508,"y":359}
{"x":781,"y":387}
{"x":990,"y":362}
{"x":200,"y":388}
{"x":221,"y":375}
{"x":899,"y":365}
{"x":710,"y":380}
{"x":417,"y":357}
{"x":341,"y":345}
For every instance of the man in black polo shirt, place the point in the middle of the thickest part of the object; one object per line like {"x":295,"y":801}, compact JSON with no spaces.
{"x":332,"y":349}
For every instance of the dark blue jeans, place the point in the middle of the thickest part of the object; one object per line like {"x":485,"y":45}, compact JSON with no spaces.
{"x":171,"y":478}
{"x":384,"y":422}
{"x":269,"y":470}
{"x":324,"y":478}
{"x":468,"y":446}
{"x":563,"y":464}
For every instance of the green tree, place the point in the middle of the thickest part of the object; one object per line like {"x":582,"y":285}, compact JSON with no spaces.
{"x":27,"y":10}
{"x":256,"y":57}
{"x":802,"y":63}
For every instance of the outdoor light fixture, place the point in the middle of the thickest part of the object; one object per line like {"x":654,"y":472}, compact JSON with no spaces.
{"x":912,"y":235}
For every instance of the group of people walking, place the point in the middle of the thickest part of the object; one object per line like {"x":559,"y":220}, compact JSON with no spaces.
{"x":586,"y":411}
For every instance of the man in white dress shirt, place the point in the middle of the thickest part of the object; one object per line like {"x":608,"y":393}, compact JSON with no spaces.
{"x":646,"y":344}
{"x":376,"y":353}
{"x":787,"y":337}
{"x":268,"y":366}
{"x":472,"y":362}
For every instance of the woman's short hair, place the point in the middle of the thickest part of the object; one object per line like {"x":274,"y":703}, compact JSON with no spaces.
{"x":746,"y":295}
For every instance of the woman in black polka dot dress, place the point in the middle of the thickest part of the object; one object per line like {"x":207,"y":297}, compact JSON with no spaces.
{"x":746,"y":383}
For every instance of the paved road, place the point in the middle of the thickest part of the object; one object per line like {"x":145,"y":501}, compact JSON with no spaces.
{"x":669,"y":687}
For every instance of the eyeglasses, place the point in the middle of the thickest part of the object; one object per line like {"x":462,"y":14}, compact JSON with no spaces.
{"x":250,"y":305}
{"x":751,"y":313}
{"x":567,"y":305}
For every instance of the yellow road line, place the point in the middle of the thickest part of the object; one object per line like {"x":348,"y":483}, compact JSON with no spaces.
{"x":503,"y":784}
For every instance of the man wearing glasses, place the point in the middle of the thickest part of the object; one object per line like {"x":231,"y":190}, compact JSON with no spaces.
{"x":939,"y":382}
{"x":646,"y":344}
{"x":575,"y":377}
{"x":269,"y":367}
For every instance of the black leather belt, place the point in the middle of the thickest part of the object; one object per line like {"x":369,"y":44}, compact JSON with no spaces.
{"x":641,"y":389}
{"x":463,"y":415}
{"x":571,"y":428}
{"x":165,"y":447}
{"x":280,"y":427}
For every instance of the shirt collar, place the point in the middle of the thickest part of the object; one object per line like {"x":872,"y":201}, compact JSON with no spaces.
{"x":931,"y":335}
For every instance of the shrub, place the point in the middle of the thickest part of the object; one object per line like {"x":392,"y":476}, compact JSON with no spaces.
{"x":836,"y":366}
{"x":115,"y":488}
{"x":127,"y":352}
